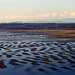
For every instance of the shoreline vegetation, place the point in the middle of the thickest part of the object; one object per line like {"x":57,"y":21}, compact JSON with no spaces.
{"x":57,"y":30}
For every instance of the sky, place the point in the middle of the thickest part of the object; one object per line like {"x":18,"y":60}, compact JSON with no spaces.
{"x":36,"y":10}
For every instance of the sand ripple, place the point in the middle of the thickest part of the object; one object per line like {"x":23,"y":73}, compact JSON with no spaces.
{"x":38,"y":56}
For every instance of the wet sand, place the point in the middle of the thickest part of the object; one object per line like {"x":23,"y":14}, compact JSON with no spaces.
{"x":33,"y":58}
{"x":51,"y":33}
{"x":36,"y":55}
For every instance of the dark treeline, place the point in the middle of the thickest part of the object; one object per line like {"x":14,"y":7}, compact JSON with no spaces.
{"x":37,"y":26}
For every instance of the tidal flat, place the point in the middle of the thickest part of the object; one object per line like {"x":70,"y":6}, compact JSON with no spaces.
{"x":35,"y":54}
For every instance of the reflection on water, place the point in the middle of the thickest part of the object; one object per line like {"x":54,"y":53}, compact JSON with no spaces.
{"x":30,"y":37}
{"x":36,"y":57}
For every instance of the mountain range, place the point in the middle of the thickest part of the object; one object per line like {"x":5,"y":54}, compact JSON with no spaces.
{"x":66,"y":20}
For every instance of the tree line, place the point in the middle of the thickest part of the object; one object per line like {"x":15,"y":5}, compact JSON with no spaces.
{"x":37,"y":26}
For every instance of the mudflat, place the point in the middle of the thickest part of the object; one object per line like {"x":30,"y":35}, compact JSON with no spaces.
{"x":23,"y":53}
{"x":52,"y":33}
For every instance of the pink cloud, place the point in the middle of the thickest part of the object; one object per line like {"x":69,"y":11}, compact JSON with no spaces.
{"x":54,"y":14}
{"x":63,"y":15}
{"x":30,"y":16}
{"x":13,"y":17}
{"x":72,"y":14}
{"x":43,"y":15}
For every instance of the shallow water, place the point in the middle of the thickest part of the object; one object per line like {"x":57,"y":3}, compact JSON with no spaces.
{"x":36,"y":55}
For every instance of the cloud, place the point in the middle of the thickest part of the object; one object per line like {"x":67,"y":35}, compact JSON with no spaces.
{"x":43,"y":15}
{"x":13,"y":17}
{"x":65,"y":12}
{"x":63,"y":15}
{"x":72,"y":14}
{"x":54,"y":14}
{"x":46,"y":15}
{"x":30,"y":16}
{"x":24,"y":17}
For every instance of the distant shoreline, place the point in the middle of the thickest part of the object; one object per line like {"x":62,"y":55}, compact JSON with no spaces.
{"x":51,"y":33}
{"x":37,"y":26}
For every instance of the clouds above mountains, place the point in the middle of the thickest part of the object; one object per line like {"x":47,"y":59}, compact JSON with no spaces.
{"x":36,"y":17}
{"x":45,"y":15}
{"x":31,"y":10}
{"x":64,"y":14}
{"x":30,"y":16}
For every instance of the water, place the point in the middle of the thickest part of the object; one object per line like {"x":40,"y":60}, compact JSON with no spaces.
{"x":22,"y":54}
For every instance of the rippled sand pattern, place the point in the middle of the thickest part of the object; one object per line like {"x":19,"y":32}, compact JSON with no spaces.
{"x":38,"y":57}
